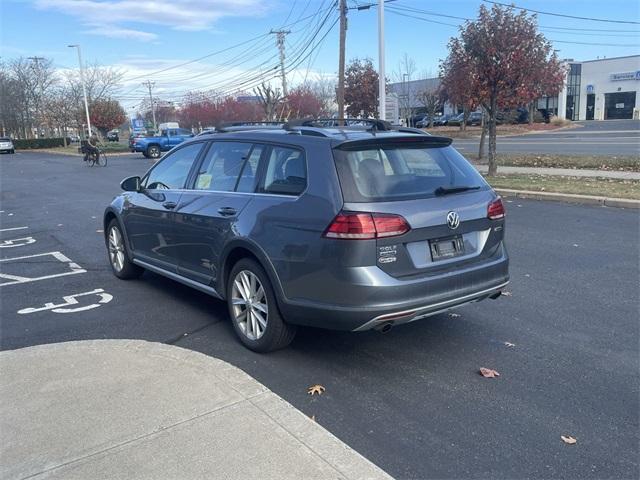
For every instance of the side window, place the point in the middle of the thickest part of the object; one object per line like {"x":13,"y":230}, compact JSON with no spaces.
{"x":172,"y":171}
{"x":286,"y":172}
{"x":249,"y":177}
{"x":184,"y":131}
{"x":222,"y":165}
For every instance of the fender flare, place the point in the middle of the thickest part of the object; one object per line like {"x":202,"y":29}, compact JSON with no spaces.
{"x":263,"y":259}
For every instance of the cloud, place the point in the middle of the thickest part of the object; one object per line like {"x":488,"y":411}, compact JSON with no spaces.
{"x":117,"y":15}
{"x":117,"y":32}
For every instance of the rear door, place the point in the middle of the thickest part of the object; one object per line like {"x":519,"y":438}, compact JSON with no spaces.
{"x":208,"y":210}
{"x":149,"y":215}
{"x":440,"y":195}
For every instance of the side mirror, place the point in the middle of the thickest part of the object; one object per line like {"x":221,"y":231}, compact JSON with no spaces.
{"x":130,"y":184}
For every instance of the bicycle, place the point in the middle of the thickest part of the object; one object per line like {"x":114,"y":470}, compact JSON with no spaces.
{"x":99,"y":158}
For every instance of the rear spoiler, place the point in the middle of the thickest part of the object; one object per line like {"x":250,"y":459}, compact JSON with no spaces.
{"x":414,"y":141}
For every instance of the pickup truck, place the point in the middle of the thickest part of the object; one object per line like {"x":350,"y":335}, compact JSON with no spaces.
{"x":152,"y":147}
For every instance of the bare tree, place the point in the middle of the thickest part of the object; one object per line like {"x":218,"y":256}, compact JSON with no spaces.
{"x":403,"y":74}
{"x":270,"y":98}
{"x":325,"y":90}
{"x":101,"y":82}
{"x":432,"y":102}
{"x":59,"y":112}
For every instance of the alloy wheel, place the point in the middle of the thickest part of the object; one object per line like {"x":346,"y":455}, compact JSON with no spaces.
{"x":116,"y":249}
{"x":250,"y":308}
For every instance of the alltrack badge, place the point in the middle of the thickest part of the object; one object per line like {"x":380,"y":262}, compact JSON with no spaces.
{"x":453,"y":220}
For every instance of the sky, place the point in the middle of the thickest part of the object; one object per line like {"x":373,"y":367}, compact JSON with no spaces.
{"x":229,"y":48}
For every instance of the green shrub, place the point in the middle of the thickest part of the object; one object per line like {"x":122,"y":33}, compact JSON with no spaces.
{"x":40,"y":143}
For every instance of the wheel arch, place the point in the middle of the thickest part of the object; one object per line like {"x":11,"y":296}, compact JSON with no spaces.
{"x":236,"y":250}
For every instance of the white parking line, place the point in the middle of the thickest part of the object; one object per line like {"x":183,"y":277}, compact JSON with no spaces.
{"x":12,"y":229}
{"x":71,"y":300}
{"x":14,"y":279}
{"x":16,"y":242}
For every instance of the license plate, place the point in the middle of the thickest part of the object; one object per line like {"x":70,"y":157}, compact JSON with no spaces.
{"x":444,"y":248}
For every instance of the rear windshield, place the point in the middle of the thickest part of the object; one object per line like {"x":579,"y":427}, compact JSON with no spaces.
{"x":389,"y":173}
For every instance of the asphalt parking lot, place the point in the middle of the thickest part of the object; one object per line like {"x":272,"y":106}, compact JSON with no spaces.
{"x":565,"y":341}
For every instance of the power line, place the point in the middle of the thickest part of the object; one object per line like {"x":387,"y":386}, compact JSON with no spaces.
{"x":561,"y":14}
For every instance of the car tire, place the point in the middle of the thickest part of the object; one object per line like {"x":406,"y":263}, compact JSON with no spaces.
{"x":257,"y":322}
{"x":153,"y":151}
{"x":121,"y":264}
{"x":12,"y":151}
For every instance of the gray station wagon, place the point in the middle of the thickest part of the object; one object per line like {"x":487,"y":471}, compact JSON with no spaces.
{"x":348,"y":228}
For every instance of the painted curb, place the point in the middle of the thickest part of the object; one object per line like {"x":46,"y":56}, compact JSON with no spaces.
{"x":571,"y":198}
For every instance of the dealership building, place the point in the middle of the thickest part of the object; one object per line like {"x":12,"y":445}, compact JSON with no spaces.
{"x":603,"y":89}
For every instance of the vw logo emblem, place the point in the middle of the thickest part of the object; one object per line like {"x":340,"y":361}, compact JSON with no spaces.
{"x":453,"y":220}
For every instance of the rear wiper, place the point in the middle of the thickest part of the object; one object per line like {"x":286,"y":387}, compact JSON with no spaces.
{"x":446,"y":191}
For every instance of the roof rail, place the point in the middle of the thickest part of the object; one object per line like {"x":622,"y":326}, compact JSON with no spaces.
{"x":375,"y":123}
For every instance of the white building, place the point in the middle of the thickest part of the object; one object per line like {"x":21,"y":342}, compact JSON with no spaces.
{"x":602,"y":89}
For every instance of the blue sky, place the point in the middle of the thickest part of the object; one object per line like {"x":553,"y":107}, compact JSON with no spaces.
{"x":141,"y":37}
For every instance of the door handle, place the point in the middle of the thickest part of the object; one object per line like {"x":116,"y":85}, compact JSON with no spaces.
{"x":169,"y":205}
{"x":227,"y":211}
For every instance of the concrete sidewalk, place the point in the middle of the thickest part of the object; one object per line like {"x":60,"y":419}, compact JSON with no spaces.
{"x":139,"y":410}
{"x":564,"y":171}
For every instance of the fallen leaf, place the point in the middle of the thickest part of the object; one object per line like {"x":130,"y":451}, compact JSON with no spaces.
{"x":575,"y":245}
{"x":99,"y":231}
{"x":313,"y":418}
{"x":506,"y":294}
{"x":60,"y":225}
{"x":454,"y":315}
{"x":488,"y":373}
{"x":569,"y":440}
{"x":527,"y":275}
{"x":319,"y":389}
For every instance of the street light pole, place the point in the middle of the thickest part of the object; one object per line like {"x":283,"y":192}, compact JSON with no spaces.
{"x":382,"y":94}
{"x":84,"y":88}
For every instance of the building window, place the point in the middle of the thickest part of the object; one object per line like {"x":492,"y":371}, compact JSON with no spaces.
{"x":573,"y":91}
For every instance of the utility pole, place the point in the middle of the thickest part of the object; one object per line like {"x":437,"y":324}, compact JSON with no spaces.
{"x":382,"y":94}
{"x":280,"y":34}
{"x":84,"y":89}
{"x":343,"y":40}
{"x":36,"y":60}
{"x":153,"y":108}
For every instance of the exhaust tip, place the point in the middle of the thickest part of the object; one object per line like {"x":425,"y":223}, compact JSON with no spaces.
{"x":384,"y":327}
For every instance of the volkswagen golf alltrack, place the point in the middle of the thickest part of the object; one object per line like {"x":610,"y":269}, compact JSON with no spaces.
{"x":347,"y":228}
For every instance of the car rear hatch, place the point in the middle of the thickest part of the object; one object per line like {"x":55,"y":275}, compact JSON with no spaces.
{"x":429,"y":208}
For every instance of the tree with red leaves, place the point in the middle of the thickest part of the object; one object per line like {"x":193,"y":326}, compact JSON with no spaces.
{"x":106,"y":115}
{"x":361,"y":88}
{"x":503,"y":62}
{"x":303,"y":102}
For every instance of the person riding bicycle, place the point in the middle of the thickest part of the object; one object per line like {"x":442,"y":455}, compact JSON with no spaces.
{"x":91,"y":147}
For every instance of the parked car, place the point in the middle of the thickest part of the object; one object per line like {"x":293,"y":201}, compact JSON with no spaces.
{"x":341,"y":228}
{"x":6,"y":145}
{"x":424,"y":123}
{"x":415,"y":119}
{"x":113,"y":136}
{"x":456,"y":120}
{"x":74,"y":138}
{"x":474,"y":118}
{"x":442,"y":120}
{"x":153,"y":146}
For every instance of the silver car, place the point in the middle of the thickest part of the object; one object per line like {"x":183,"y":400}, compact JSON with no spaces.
{"x":6,"y":145}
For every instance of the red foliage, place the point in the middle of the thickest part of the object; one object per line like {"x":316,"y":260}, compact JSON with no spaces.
{"x":361,"y":88}
{"x":303,"y":102}
{"x":200,"y":110}
{"x":500,"y":61}
{"x":106,"y":115}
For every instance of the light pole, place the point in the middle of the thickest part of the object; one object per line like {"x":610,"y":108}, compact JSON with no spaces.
{"x":407,"y":108}
{"x":84,"y":89}
{"x":382,"y":94}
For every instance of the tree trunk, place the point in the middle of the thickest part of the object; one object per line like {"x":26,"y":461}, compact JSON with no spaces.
{"x":483,"y":136}
{"x":531,"y":112}
{"x":493,"y":167}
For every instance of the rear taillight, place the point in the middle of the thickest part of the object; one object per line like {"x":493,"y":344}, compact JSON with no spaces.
{"x":366,"y":226}
{"x":495,"y":210}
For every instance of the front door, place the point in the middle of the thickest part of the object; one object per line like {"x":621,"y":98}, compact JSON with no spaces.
{"x":208,"y":212}
{"x":148,"y":215}
{"x":591,"y":105}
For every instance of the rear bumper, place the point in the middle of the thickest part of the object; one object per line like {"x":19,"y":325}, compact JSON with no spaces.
{"x":400,"y":302}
